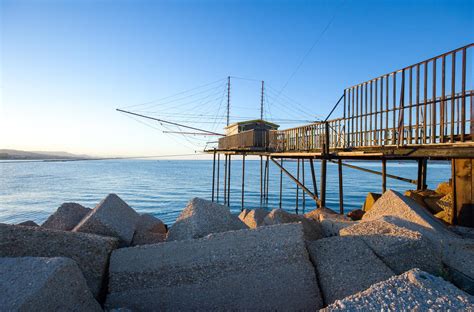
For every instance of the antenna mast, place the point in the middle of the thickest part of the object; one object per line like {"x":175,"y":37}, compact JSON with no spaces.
{"x":261,"y":102}
{"x":228,"y":98}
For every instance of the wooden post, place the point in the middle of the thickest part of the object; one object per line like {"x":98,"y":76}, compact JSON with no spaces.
{"x":281,"y":183}
{"x":304,"y":194}
{"x":228,"y":184}
{"x":424,"y":173}
{"x":313,"y":177}
{"x":297,"y":187}
{"x":243,"y":181}
{"x":264,"y":182}
{"x":419,"y":185}
{"x":213,"y":173}
{"x":384,"y":175}
{"x":218,"y":174}
{"x":268,"y":178}
{"x":463,"y":192}
{"x":261,"y":180}
{"x":323,"y":182}
{"x":225,"y":179}
{"x":341,"y":194}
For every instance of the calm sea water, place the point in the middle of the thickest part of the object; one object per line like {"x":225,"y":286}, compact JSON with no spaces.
{"x":33,"y":190}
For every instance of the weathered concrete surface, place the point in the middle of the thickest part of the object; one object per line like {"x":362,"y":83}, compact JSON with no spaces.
{"x":111,"y":217}
{"x":370,"y":201}
{"x":255,"y":218}
{"x":400,"y":248}
{"x":43,"y":284}
{"x":66,"y":217}
{"x":414,"y":290}
{"x":330,"y":221}
{"x":446,"y":204}
{"x":444,"y":188}
{"x":91,"y":252}
{"x":312,"y":229}
{"x":405,"y":209}
{"x":345,"y":266}
{"x":149,"y":230}
{"x":28,"y":223}
{"x":425,"y":198}
{"x":202,"y":217}
{"x":267,"y":268}
{"x":243,"y":213}
{"x":458,"y":256}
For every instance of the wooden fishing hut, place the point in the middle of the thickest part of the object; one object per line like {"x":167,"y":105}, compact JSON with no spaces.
{"x":421,"y":112}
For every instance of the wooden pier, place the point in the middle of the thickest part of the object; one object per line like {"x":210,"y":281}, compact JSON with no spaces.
{"x":421,"y":112}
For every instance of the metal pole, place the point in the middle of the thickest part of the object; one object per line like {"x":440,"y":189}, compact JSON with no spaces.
{"x":243,"y":181}
{"x":218,"y":174}
{"x":341,"y":194}
{"x":213,"y":173}
{"x":281,"y":182}
{"x":261,"y":102}
{"x":297,"y":187}
{"x":228,"y":186}
{"x":384,"y":175}
{"x":323,"y":182}
{"x":228,"y":99}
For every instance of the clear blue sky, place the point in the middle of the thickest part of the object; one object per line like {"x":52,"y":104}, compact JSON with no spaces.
{"x":66,"y":65}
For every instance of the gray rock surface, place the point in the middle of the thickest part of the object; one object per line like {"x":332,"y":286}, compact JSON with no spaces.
{"x":149,"y":230}
{"x":111,"y":217}
{"x":414,"y":290}
{"x":28,"y":223}
{"x":267,"y":268}
{"x":345,"y":266}
{"x":202,"y":217}
{"x":91,"y":252}
{"x":43,"y":284}
{"x":255,"y":218}
{"x":331,"y":222}
{"x":312,"y":229}
{"x":400,"y":248}
{"x":66,"y":217}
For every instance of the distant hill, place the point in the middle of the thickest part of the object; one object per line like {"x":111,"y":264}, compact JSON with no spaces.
{"x":9,"y":154}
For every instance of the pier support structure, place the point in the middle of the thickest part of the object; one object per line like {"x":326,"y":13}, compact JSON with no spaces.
{"x":463,"y":192}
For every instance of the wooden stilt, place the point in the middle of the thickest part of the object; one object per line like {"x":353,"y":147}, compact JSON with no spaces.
{"x":323,"y":182}
{"x":419,"y":181}
{"x":304,"y":194}
{"x":384,"y":175}
{"x":225,"y":179}
{"x":313,"y":176}
{"x":213,"y":174}
{"x":243,"y":182}
{"x":341,"y":191}
{"x":281,"y":183}
{"x":463,"y":182}
{"x":218,"y":175}
{"x":297,"y":187}
{"x":228,"y":184}
{"x":261,"y":180}
{"x":268,"y":178}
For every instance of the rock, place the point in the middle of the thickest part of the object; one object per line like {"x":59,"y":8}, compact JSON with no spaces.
{"x":111,"y":217}
{"x":399,"y":248}
{"x":444,"y":188}
{"x":345,"y":266}
{"x":425,"y":198}
{"x":202,"y":217}
{"x":410,"y":215}
{"x":331,"y":222}
{"x":255,"y":217}
{"x":414,"y":290}
{"x":66,"y":217}
{"x":267,"y":268}
{"x":356,"y":214}
{"x":44,"y":284}
{"x":28,"y":223}
{"x":149,"y":230}
{"x":243,"y":214}
{"x":312,"y":229}
{"x":370,"y":201}
{"x":91,"y":252}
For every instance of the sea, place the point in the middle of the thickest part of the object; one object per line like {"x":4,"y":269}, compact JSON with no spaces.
{"x":34,"y":190}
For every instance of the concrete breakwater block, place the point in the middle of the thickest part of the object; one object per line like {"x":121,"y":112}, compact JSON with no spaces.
{"x":66,"y":217}
{"x":458,"y":256}
{"x":255,"y":218}
{"x":267,"y":268}
{"x":243,"y":213}
{"x":202,"y":217}
{"x":43,"y":284}
{"x":331,"y":222}
{"x":400,"y":248}
{"x":418,"y":219}
{"x":28,"y":223}
{"x":91,"y":252}
{"x":414,"y":290}
{"x":149,"y":230}
{"x":111,"y":217}
{"x":345,"y":266}
{"x":312,"y":229}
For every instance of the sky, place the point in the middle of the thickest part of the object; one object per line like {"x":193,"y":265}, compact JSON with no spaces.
{"x":67,"y":65}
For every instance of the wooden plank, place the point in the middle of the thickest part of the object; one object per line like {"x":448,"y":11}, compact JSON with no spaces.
{"x":453,"y":93}
{"x":433,"y":106}
{"x":464,"y":199}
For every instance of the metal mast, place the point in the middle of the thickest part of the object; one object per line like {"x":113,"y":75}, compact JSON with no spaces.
{"x":261,"y":102}
{"x":228,"y":99}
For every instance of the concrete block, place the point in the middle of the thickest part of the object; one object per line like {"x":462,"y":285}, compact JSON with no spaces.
{"x":202,"y":217}
{"x":311,"y":228}
{"x":345,"y":266}
{"x":330,"y":221}
{"x":414,"y":290}
{"x":255,"y":217}
{"x":458,"y":257}
{"x":28,"y":223}
{"x":398,"y":247}
{"x":91,"y":252}
{"x":43,"y":284}
{"x":370,"y":200}
{"x":66,"y":217}
{"x":444,"y":188}
{"x":149,"y":230}
{"x":243,"y":213}
{"x":267,"y":268}
{"x":111,"y":217}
